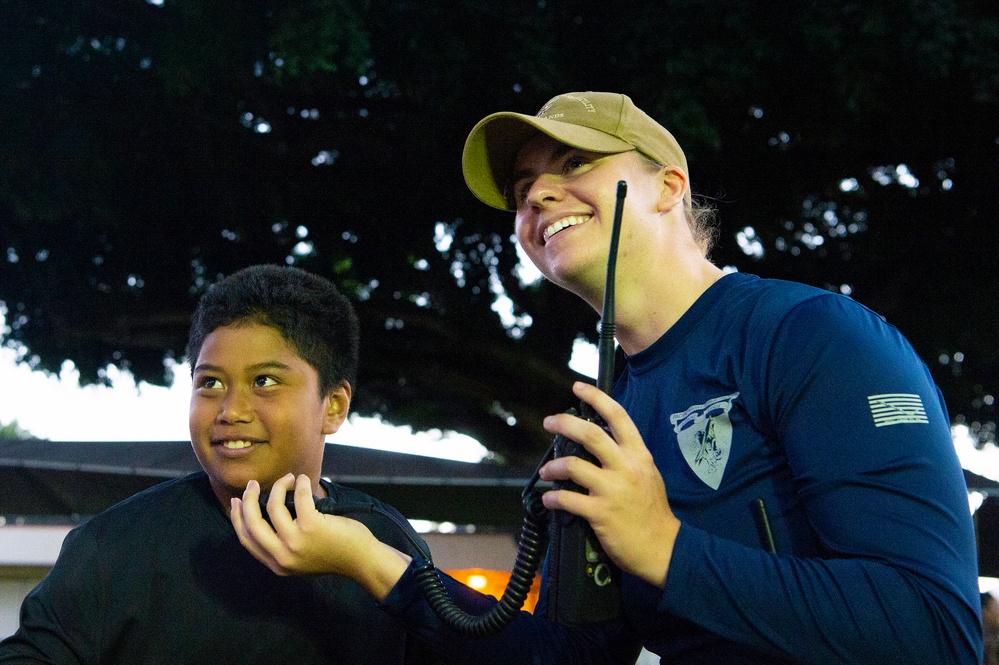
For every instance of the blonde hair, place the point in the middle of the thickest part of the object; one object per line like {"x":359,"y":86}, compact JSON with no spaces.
{"x":702,"y":217}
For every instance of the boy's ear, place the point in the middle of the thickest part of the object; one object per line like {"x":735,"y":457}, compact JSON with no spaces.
{"x":673,"y":186}
{"x":337,"y":406}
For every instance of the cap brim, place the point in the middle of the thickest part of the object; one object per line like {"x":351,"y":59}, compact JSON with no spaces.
{"x":493,"y":144}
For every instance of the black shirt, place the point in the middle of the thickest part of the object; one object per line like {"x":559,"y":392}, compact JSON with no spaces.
{"x":162,"y":578}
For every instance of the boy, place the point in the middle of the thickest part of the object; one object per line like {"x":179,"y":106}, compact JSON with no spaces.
{"x":161,"y":577}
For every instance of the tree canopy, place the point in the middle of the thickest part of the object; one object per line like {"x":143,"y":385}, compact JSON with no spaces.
{"x":149,"y":147}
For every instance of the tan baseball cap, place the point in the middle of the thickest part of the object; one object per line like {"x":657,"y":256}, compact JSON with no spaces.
{"x":593,"y":121}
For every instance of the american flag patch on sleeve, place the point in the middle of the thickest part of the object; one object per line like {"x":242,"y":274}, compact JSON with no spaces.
{"x":896,"y":409}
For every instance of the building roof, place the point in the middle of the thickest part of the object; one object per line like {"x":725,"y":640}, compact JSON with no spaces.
{"x":45,"y":481}
{"x":58,"y":480}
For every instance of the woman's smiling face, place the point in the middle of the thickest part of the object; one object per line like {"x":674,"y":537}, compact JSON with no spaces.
{"x":565,"y":200}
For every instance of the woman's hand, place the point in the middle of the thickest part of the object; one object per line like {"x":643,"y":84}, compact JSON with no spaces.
{"x":626,"y":505}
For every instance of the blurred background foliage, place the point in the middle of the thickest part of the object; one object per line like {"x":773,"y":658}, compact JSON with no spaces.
{"x":149,"y":147}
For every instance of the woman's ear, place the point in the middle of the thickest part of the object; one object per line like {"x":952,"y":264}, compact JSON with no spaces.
{"x":337,"y":406}
{"x":673,"y":186}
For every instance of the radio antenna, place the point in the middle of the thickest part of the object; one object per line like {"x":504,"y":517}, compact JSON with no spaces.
{"x":605,"y":345}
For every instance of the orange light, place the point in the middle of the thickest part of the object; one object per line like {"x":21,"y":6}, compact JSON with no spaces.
{"x":493,"y":583}
{"x":477,"y":582}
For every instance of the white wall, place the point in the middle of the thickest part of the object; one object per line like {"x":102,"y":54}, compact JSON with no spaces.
{"x":26,"y":553}
{"x":12,"y":592}
{"x":30,"y":545}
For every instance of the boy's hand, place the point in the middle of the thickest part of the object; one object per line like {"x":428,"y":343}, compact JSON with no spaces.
{"x":626,"y":505}
{"x":313,"y":543}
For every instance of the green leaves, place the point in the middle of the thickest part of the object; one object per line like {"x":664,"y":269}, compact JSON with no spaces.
{"x":145,"y":150}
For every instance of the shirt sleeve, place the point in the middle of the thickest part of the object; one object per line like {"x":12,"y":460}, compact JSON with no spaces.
{"x":868,"y":442}
{"x":528,"y":640}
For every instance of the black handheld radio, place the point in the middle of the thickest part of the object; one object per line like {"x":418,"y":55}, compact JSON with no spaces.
{"x":585,"y":585}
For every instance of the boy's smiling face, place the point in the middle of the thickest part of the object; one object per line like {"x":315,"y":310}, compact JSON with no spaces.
{"x":256,"y":412}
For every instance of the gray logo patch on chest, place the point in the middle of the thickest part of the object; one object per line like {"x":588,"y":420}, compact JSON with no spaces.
{"x":704,"y":433}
